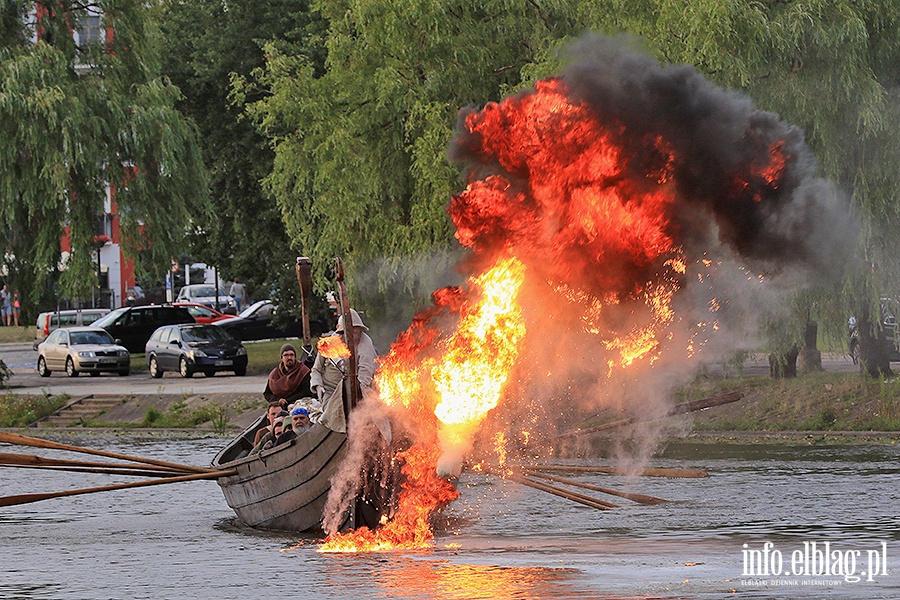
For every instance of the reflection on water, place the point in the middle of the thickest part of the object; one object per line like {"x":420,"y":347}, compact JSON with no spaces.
{"x":499,"y":540}
{"x":397,"y":576}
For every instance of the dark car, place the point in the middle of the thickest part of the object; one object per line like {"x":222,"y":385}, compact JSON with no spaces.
{"x":258,"y":322}
{"x":195,"y":348}
{"x":133,"y":325}
{"x":889,"y":333}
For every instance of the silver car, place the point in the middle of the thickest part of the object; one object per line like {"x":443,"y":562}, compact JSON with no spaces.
{"x":53,"y":320}
{"x":205,"y":294}
{"x":82,"y":350}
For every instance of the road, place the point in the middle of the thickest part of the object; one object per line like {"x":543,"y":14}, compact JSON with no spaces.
{"x":21,"y":359}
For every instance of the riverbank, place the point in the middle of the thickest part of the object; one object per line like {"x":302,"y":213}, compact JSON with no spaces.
{"x":827,"y":407}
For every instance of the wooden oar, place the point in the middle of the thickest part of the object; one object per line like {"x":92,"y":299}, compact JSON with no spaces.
{"x":101,"y":470}
{"x":13,"y":459}
{"x":22,"y":440}
{"x":558,"y":491}
{"x":28,"y":498}
{"x":678,"y":409}
{"x":639,"y":498}
{"x":645,"y":472}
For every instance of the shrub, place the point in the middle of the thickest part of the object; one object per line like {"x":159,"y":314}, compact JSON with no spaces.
{"x":21,"y":411}
{"x":5,"y":373}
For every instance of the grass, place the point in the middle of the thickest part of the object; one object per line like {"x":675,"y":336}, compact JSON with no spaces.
{"x":263,"y":356}
{"x":810,"y":402}
{"x":15,"y":334}
{"x":179,"y":416}
{"x":20,"y":411}
{"x":183,"y":416}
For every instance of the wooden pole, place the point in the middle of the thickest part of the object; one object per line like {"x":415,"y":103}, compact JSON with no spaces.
{"x":639,"y":498}
{"x":22,"y":440}
{"x":29,"y":498}
{"x":304,"y":278}
{"x":558,"y":491}
{"x":33,"y":460}
{"x":678,"y":409}
{"x":645,"y":472}
{"x":351,"y":378}
{"x":101,"y":470}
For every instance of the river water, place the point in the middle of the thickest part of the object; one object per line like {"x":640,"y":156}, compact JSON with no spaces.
{"x":498,"y":540}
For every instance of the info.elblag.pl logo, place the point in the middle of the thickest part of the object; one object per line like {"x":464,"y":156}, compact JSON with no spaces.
{"x":815,"y":563}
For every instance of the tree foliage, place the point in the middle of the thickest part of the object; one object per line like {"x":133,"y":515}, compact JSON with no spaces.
{"x":360,"y":148}
{"x":831,"y":68}
{"x":210,"y":42}
{"x":78,"y":117}
{"x":360,"y":165}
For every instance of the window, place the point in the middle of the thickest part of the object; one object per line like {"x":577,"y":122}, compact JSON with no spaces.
{"x":91,"y":338}
{"x":90,"y":30}
{"x":199,"y":311}
{"x":205,"y":333}
{"x":88,"y":318}
{"x":104,"y":225}
{"x":67,"y":320}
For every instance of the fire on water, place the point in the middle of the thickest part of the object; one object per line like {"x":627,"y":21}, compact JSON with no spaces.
{"x":422,"y":493}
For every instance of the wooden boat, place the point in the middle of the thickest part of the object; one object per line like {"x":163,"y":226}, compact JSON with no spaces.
{"x":284,"y":487}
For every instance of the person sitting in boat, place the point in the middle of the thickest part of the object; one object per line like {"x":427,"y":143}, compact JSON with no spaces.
{"x":290,"y":379}
{"x":268,"y":440}
{"x":272,"y":411}
{"x":286,"y":434}
{"x":299,"y":425}
{"x":312,"y":406}
{"x":328,"y":373}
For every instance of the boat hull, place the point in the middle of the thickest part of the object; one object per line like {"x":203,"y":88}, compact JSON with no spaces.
{"x":285,"y":487}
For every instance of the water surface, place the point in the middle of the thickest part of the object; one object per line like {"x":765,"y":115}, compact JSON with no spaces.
{"x":498,"y":540}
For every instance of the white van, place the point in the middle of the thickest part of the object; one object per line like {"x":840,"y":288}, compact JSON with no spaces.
{"x":49,"y":321}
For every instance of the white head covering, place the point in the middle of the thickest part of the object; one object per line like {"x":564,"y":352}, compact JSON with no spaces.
{"x":355,"y":319}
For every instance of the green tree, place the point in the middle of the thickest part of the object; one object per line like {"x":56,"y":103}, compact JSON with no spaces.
{"x":81,"y":109}
{"x":360,"y":149}
{"x":360,"y":165}
{"x":209,"y":43}
{"x":833,"y":69}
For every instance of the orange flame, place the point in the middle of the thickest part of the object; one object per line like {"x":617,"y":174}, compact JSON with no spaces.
{"x":560,"y":206}
{"x":423,"y":493}
{"x":478,"y":358}
{"x":333,"y":346}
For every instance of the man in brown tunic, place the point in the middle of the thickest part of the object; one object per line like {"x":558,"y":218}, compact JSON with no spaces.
{"x":290,"y":379}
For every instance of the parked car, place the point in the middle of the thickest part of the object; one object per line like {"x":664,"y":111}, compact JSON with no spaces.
{"x":203,"y":314}
{"x":52,"y":320}
{"x":205,"y":294}
{"x":134,"y":325}
{"x":82,"y":350}
{"x":258,"y":322}
{"x":189,"y":349}
{"x":890,"y":334}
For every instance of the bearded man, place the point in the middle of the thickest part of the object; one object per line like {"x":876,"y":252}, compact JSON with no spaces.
{"x":290,"y":379}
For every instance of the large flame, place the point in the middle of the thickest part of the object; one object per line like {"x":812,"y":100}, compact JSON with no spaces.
{"x":423,"y":492}
{"x":585,"y":221}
